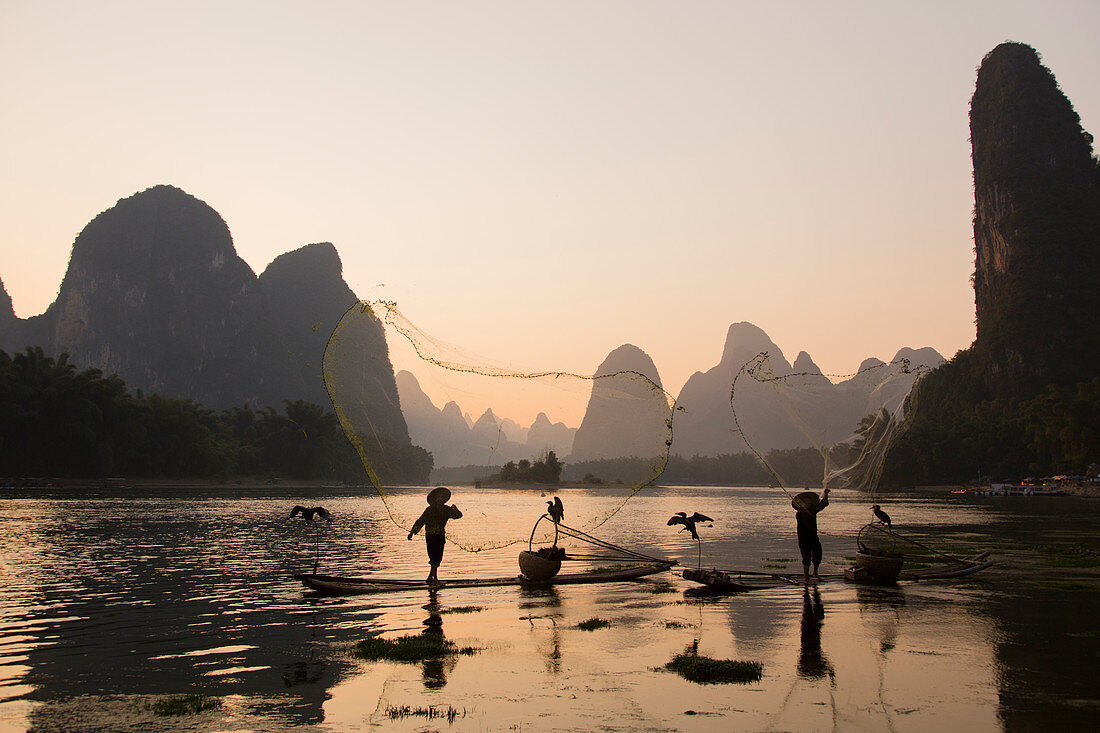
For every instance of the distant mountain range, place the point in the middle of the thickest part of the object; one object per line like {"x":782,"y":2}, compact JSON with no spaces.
{"x":156,"y":293}
{"x":623,"y":417}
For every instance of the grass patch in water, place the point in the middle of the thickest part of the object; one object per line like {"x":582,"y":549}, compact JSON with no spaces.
{"x":463,"y":609}
{"x":184,"y":705}
{"x":658,"y":588}
{"x":409,"y":648}
{"x":677,"y":625}
{"x":593,"y":623}
{"x":707,"y":671}
{"x":431,"y":712}
{"x":779,"y":559}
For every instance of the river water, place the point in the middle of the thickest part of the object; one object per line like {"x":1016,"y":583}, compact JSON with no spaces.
{"x":112,"y":600}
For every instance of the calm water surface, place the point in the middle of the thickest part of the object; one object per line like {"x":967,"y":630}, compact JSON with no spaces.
{"x":110,"y":601}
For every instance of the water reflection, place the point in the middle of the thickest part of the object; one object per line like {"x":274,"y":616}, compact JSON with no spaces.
{"x":162,"y":596}
{"x":812,"y":663}
{"x":435,"y":670}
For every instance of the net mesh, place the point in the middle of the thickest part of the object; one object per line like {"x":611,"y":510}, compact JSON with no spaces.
{"x":536,"y":430}
{"x":812,"y":430}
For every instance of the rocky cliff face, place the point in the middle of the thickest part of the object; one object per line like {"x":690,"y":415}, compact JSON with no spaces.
{"x":490,"y":440}
{"x":1036,"y":228}
{"x":625,"y":416}
{"x":155,"y":292}
{"x":307,"y":295}
{"x":706,"y":425}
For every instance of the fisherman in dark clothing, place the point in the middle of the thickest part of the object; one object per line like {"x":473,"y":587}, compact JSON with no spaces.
{"x":807,"y":507}
{"x":434,"y":521}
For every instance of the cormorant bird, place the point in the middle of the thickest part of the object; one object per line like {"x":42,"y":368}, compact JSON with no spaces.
{"x":882,"y":516}
{"x":308,"y":512}
{"x":556,"y":510}
{"x":689,"y":522}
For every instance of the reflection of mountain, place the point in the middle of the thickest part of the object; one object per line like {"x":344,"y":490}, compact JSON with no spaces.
{"x":487,"y":441}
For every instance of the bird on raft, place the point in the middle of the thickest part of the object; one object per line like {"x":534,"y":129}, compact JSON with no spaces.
{"x":556,"y":510}
{"x":309,"y":512}
{"x":689,"y":522}
{"x":882,"y":516}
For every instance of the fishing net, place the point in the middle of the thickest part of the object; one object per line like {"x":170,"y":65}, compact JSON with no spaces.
{"x":510,"y":436}
{"x":811,"y":430}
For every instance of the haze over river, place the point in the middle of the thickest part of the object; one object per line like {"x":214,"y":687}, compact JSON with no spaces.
{"x":114,"y":599}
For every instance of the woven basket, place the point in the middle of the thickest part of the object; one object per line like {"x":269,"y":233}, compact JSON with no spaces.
{"x":881,"y":568}
{"x":534,"y":567}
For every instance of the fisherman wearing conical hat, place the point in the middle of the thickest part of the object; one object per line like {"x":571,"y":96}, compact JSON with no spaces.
{"x":806,"y":506}
{"x":434,"y":521}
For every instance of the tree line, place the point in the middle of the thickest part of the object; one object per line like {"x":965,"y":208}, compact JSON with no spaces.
{"x":56,"y":421}
{"x":953,"y":437}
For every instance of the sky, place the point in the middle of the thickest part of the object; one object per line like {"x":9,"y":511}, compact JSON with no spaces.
{"x":543,"y":182}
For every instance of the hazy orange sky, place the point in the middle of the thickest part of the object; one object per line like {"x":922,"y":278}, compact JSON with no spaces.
{"x":541,"y":183}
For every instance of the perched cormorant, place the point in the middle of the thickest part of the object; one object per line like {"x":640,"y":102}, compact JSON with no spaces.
{"x":308,"y":512}
{"x":882,"y":516}
{"x":556,"y":510}
{"x":689,"y":522}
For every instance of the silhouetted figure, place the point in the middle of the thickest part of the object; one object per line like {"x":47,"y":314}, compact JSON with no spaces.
{"x":689,"y":522}
{"x":309,"y":512}
{"x":556,"y":510}
{"x":434,"y":521}
{"x":807,"y":506}
{"x":882,"y":516}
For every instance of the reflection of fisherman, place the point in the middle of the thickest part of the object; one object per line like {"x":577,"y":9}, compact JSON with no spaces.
{"x":811,"y":661}
{"x":434,"y":521}
{"x":807,"y":506}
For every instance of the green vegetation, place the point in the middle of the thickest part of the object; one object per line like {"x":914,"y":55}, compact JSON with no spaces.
{"x":593,"y":623}
{"x":409,"y":648}
{"x":431,"y":712}
{"x":545,"y":470}
{"x":707,"y":671}
{"x":955,"y":435}
{"x":184,"y":705}
{"x":463,"y":609}
{"x":59,"y":422}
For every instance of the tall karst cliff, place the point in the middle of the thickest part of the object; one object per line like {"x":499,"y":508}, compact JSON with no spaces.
{"x":307,"y":296}
{"x":1036,"y":229}
{"x":1011,"y":405}
{"x":625,"y":416}
{"x":156,"y":293}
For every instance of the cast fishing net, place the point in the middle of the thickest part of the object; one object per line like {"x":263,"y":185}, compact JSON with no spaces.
{"x":502,"y":436}
{"x":810,"y":430}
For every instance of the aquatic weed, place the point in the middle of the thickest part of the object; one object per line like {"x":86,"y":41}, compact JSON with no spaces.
{"x":184,"y":705}
{"x":409,"y":648}
{"x":676,"y":625}
{"x":593,"y":623}
{"x":463,"y":609}
{"x":431,"y":712}
{"x":707,"y":671}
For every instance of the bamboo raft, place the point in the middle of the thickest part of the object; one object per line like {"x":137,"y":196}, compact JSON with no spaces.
{"x":334,"y":585}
